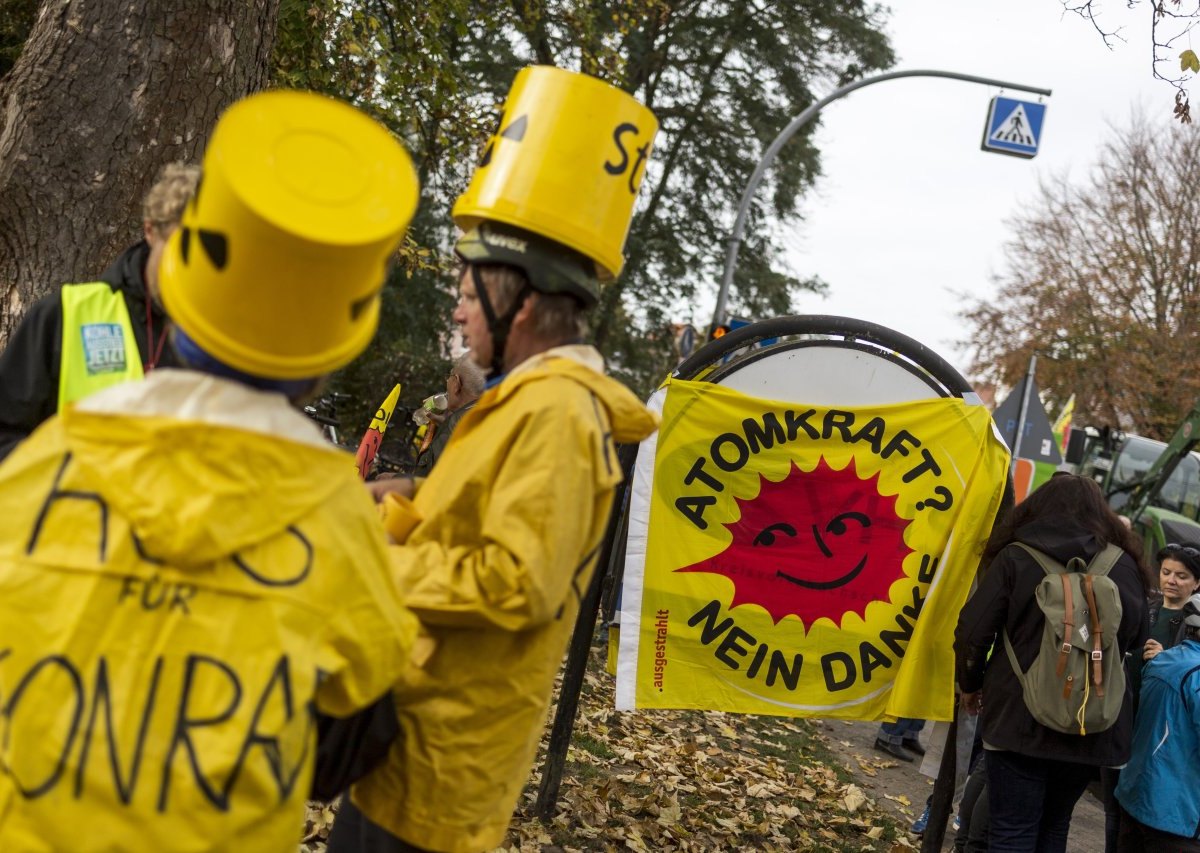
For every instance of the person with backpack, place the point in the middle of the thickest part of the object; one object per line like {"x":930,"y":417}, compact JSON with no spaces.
{"x":1160,"y":806}
{"x":1063,"y":600}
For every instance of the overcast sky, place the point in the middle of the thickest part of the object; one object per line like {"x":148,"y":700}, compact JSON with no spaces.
{"x":909,"y":210}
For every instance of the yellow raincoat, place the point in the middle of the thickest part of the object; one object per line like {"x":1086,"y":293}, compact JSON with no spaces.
{"x":185,"y":571}
{"x":507,"y":529}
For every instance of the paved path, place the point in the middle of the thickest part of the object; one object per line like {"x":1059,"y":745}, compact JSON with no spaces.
{"x":901,"y":787}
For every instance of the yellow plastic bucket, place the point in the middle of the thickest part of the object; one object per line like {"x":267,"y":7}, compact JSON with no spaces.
{"x":566,"y":163}
{"x":279,"y":262}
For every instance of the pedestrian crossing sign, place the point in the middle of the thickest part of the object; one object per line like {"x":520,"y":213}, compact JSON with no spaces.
{"x":1013,"y":127}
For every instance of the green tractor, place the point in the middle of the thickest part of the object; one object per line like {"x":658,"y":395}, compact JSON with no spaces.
{"x":1155,"y":484}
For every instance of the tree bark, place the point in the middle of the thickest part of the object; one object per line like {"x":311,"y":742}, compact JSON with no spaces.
{"x":104,"y":94}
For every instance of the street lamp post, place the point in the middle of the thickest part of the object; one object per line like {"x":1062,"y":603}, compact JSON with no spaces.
{"x":944,"y":788}
{"x":1023,"y":418}
{"x":739,"y":225}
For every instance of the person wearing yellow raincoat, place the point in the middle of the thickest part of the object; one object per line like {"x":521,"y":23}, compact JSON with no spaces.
{"x":188,"y":573}
{"x":497,"y":547}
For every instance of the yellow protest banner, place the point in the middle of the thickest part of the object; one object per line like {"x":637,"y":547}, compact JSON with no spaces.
{"x":804,"y":560}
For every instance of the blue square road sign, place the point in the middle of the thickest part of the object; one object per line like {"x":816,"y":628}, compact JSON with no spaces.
{"x":1013,"y":127}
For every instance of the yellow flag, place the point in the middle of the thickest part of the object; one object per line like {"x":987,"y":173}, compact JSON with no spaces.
{"x":373,"y":437}
{"x":1062,"y":426}
{"x":805,"y":560}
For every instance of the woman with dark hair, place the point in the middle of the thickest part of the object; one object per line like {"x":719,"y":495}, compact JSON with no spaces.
{"x":1160,"y":801}
{"x":1036,"y":774}
{"x":1178,"y":580}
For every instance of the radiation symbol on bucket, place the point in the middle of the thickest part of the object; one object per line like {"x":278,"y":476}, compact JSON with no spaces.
{"x":566,"y":161}
{"x":278,"y":265}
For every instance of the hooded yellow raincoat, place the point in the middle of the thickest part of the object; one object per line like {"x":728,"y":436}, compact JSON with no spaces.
{"x":507,"y":530}
{"x":185,"y":571}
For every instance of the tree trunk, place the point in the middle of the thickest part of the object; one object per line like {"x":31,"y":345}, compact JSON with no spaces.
{"x":105,"y":93}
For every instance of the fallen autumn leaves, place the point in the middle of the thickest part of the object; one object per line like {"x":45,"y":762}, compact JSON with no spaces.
{"x":691,"y":781}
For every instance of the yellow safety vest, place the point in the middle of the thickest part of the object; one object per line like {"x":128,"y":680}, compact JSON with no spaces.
{"x":98,"y":346}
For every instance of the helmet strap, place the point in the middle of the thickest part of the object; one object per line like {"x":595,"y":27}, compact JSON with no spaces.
{"x":498,"y":326}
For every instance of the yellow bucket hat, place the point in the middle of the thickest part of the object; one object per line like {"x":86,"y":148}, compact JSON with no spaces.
{"x":278,"y":264}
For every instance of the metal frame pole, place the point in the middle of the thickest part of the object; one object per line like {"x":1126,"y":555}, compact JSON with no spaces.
{"x":942,"y":802}
{"x":577,"y":654}
{"x":739,"y":225}
{"x":1023,"y":417}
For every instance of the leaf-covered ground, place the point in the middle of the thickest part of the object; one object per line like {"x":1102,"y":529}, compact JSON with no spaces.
{"x":691,"y":781}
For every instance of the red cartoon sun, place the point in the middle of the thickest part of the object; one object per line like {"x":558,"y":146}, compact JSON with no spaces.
{"x":818,"y":543}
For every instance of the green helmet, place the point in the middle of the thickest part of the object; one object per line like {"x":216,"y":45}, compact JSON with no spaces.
{"x":550,"y":267}
{"x":1191,"y":611}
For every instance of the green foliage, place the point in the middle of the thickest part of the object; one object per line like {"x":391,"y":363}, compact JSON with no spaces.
{"x":410,"y":348}
{"x":722,"y":76}
{"x":397,"y":62}
{"x":16,"y":20}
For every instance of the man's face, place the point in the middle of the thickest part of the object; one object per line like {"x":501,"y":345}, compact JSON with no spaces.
{"x":468,"y":314}
{"x":157,"y":238}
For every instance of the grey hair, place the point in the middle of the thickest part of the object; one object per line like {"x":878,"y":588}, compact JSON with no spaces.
{"x":173,"y":188}
{"x":470,"y":374}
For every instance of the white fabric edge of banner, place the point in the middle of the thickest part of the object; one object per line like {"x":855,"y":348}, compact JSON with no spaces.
{"x":1000,"y":438}
{"x":849,"y":703}
{"x":632,"y":584}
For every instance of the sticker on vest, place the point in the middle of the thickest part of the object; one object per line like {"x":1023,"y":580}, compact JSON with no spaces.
{"x":103,"y":347}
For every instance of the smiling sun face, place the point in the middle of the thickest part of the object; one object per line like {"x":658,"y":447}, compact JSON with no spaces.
{"x":820,"y":543}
